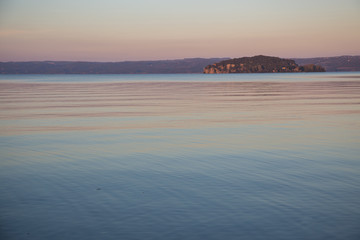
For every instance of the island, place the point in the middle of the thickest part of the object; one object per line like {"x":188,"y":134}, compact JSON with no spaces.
{"x":260,"y":64}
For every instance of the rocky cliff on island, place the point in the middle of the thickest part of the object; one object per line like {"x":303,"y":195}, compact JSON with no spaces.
{"x":260,"y":64}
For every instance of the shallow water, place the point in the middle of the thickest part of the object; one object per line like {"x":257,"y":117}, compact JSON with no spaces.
{"x":239,"y":156}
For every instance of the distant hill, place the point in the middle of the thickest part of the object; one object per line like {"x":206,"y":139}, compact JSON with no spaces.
{"x":260,"y":64}
{"x":187,"y":65}
{"x":333,"y":64}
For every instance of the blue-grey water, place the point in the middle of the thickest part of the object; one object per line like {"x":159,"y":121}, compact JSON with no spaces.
{"x":239,"y":156}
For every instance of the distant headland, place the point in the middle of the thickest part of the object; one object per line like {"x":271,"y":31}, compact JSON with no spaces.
{"x":187,"y":65}
{"x":260,"y":64}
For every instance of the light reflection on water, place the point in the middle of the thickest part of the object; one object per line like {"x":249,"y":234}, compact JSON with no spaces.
{"x":189,"y":159}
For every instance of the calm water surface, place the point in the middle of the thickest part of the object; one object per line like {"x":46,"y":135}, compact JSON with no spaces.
{"x":240,"y":156}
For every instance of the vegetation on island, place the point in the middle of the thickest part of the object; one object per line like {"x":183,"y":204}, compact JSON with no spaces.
{"x":260,"y":64}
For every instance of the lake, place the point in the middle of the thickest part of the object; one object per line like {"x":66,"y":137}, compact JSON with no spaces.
{"x":183,"y":156}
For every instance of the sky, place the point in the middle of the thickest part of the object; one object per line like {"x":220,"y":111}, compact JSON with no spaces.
{"x":120,"y":30}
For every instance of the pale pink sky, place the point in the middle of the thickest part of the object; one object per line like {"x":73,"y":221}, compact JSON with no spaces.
{"x":111,"y":30}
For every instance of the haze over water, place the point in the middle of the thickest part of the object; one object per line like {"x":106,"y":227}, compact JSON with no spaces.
{"x":242,"y":156}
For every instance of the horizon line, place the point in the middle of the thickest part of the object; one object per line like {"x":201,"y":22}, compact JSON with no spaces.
{"x":175,"y":59}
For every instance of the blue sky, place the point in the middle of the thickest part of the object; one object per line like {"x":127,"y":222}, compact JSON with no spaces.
{"x":109,"y":30}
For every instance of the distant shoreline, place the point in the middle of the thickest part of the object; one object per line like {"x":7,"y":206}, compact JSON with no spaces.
{"x":180,"y":66}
